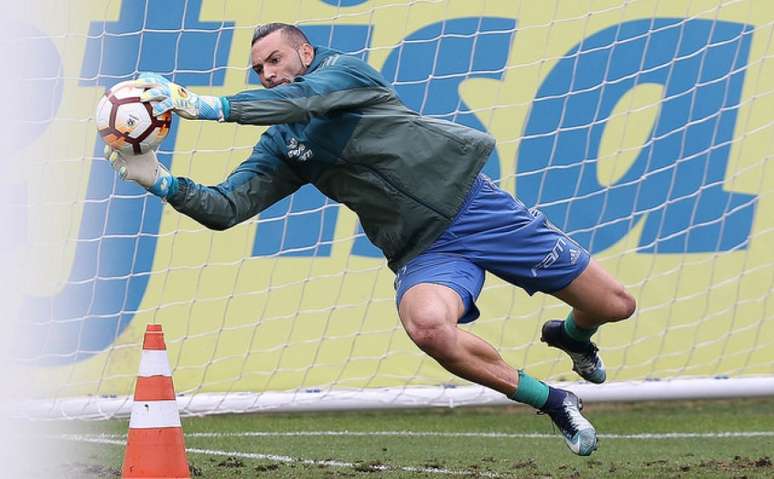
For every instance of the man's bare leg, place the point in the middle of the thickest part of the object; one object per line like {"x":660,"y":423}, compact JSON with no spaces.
{"x":430,"y":312}
{"x":596,"y":298}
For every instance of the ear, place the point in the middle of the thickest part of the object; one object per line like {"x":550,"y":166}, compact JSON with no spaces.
{"x":307,"y":54}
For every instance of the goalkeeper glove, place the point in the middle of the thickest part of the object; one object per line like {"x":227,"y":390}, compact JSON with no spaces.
{"x":184,"y":102}
{"x":144,"y":169}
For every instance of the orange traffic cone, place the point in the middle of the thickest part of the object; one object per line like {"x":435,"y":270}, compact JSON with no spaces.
{"x":155,"y":446}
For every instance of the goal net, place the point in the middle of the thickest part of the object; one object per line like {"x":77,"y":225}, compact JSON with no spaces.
{"x":641,"y":128}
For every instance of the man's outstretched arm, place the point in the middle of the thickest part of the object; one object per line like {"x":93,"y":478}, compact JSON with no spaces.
{"x":341,"y":83}
{"x":260,"y":181}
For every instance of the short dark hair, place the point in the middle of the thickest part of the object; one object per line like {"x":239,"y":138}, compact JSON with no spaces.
{"x":291,"y":32}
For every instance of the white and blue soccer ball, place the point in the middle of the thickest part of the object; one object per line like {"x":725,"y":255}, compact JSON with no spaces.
{"x":127,"y":124}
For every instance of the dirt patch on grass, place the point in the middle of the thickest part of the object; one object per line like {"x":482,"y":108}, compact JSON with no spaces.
{"x":231,"y":462}
{"x":740,"y":463}
{"x":738,"y":466}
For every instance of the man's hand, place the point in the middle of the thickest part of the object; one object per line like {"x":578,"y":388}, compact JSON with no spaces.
{"x":144,"y":169}
{"x":184,"y":102}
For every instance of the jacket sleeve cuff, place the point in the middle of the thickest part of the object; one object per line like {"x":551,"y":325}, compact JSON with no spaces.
{"x":176,"y":196}
{"x":226,"y":105}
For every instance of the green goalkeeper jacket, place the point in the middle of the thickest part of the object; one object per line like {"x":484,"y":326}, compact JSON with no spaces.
{"x":342,"y":128}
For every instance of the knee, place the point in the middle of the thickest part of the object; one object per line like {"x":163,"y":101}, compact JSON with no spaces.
{"x":623,"y":306}
{"x":431,"y":332}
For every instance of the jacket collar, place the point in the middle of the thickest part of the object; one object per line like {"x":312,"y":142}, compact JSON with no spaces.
{"x":320,"y":54}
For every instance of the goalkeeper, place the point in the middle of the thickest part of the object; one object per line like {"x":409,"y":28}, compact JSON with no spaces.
{"x":416,"y":186}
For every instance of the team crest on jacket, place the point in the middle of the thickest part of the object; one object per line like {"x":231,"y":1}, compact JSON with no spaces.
{"x":298,"y":151}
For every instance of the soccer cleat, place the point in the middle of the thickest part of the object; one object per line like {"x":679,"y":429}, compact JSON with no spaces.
{"x":585,"y":360}
{"x":579,"y":434}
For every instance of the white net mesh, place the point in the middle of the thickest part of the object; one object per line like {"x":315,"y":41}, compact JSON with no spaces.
{"x":640,"y":128}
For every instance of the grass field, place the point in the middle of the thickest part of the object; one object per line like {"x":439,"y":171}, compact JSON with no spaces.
{"x":701,"y":439}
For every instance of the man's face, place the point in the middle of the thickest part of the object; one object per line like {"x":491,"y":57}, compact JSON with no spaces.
{"x":276,"y":60}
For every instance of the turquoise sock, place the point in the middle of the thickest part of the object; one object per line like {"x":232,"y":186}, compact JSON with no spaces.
{"x":530,"y":391}
{"x":576,"y":332}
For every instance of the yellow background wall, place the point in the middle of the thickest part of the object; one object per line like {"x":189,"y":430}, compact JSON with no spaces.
{"x":234,"y":322}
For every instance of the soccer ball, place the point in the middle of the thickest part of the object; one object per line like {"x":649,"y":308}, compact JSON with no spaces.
{"x":126,"y":124}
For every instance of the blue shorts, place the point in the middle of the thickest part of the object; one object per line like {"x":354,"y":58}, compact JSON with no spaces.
{"x":495,"y":232}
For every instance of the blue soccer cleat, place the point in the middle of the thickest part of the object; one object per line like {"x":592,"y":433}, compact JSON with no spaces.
{"x":585,"y":360}
{"x":579,"y":434}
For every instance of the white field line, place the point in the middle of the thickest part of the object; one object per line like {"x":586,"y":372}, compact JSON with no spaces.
{"x":120,"y":440}
{"x":287,"y":459}
{"x":650,"y":436}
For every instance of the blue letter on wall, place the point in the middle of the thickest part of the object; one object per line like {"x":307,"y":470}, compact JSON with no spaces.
{"x":304,"y":224}
{"x":117,"y":237}
{"x":429,"y":66}
{"x":676,"y":182}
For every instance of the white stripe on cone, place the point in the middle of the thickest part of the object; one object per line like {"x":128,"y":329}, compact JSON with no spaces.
{"x":154,"y":414}
{"x":154,"y":363}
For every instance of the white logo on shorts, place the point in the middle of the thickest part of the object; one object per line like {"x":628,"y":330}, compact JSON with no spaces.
{"x":399,"y":278}
{"x":551,"y":257}
{"x":574,"y":255}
